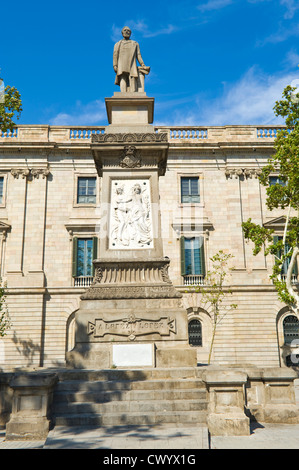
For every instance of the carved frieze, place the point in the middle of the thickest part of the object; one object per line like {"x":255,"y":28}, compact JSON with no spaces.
{"x":133,"y":137}
{"x":131,"y":327}
{"x":98,"y":291}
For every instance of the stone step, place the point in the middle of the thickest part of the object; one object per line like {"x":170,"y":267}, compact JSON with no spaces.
{"x":136,"y":419}
{"x":130,"y":406}
{"x":126,"y":374}
{"x":78,"y":385}
{"x":130,"y":395}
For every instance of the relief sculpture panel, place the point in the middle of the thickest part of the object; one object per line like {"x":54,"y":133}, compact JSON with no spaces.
{"x":130,"y":215}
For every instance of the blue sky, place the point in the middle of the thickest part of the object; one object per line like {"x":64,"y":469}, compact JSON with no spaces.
{"x":213,"y":62}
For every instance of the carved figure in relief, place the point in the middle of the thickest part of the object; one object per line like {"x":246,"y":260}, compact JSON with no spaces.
{"x":122,"y":216}
{"x":131,"y":217}
{"x":140,"y":216}
{"x":126,"y":52}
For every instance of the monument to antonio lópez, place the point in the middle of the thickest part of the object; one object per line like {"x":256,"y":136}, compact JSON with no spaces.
{"x":131,"y":316}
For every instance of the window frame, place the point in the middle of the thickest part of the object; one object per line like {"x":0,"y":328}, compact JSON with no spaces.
{"x":200,"y":188}
{"x":77,"y":176}
{"x":3,"y":202}
{"x":201,"y":332}
{"x":282,"y":183}
{"x":75,"y":240}
{"x":202,"y":254}
{"x":284,"y":267}
{"x":296,"y":338}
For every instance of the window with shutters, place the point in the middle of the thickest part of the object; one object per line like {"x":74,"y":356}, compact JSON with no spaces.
{"x":284,"y":268}
{"x":192,"y":260}
{"x":86,"y":190}
{"x":190,"y":189}
{"x":84,"y":252}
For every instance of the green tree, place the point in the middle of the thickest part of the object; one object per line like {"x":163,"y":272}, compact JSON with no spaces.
{"x":10,"y":106}
{"x":284,"y":195}
{"x":4,"y":316}
{"x":215,"y":291}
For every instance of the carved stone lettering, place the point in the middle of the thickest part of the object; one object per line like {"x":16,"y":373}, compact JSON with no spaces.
{"x":131,"y":327}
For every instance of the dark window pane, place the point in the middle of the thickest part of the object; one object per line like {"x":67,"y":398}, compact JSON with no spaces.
{"x":1,"y":189}
{"x":276,"y":180}
{"x":84,"y":257}
{"x":195,"y":333}
{"x":86,"y":190}
{"x":290,"y":328}
{"x":190,"y":189}
{"x":192,"y":256}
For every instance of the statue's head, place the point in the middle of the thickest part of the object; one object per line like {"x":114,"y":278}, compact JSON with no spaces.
{"x":126,"y":32}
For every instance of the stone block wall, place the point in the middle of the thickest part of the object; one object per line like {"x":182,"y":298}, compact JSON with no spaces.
{"x":41,"y":217}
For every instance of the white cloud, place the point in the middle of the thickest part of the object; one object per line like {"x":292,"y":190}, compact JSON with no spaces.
{"x":283,"y":34}
{"x":213,"y":5}
{"x":292,"y":6}
{"x":292,"y":59}
{"x":248,"y":101}
{"x":90,"y":114}
{"x":141,"y":27}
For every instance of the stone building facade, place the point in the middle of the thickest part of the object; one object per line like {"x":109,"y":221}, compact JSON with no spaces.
{"x":50,"y":224}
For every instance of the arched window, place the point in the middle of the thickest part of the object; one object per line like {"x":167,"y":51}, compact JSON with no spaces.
{"x":195,"y":333}
{"x":290,"y":328}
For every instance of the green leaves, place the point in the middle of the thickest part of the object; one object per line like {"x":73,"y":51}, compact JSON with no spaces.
{"x":257,"y":234}
{"x":10,"y":108}
{"x":284,"y":163}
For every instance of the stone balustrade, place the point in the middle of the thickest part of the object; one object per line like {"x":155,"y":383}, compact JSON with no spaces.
{"x":194,"y":134}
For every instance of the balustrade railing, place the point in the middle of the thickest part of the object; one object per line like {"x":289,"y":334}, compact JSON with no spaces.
{"x":85,"y":132}
{"x":9,"y":134}
{"x":175,"y":133}
{"x":188,"y":133}
{"x":83,"y":281}
{"x":194,"y":280}
{"x":268,"y":132}
{"x":294,"y":278}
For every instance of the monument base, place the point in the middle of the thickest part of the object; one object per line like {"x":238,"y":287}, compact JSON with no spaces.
{"x":131,"y":332}
{"x":106,"y":356}
{"x":130,"y":112}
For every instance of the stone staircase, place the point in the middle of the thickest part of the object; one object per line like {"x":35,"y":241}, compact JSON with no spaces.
{"x":130,"y":397}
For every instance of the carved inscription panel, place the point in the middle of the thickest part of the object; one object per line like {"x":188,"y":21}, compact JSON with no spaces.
{"x":130,"y":215}
{"x":131,"y":327}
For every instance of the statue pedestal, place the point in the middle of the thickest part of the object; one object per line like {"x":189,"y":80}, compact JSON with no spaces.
{"x":130,"y":112}
{"x":132,"y":300}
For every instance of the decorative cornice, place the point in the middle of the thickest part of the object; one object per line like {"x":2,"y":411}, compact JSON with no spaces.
{"x":27,"y":172}
{"x":20,"y":172}
{"x":242,"y":172}
{"x":150,"y":137}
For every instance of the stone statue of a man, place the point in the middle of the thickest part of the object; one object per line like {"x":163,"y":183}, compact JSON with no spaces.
{"x":126,"y":52}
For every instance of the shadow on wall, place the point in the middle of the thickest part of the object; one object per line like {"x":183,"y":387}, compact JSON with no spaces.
{"x":28,"y":350}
